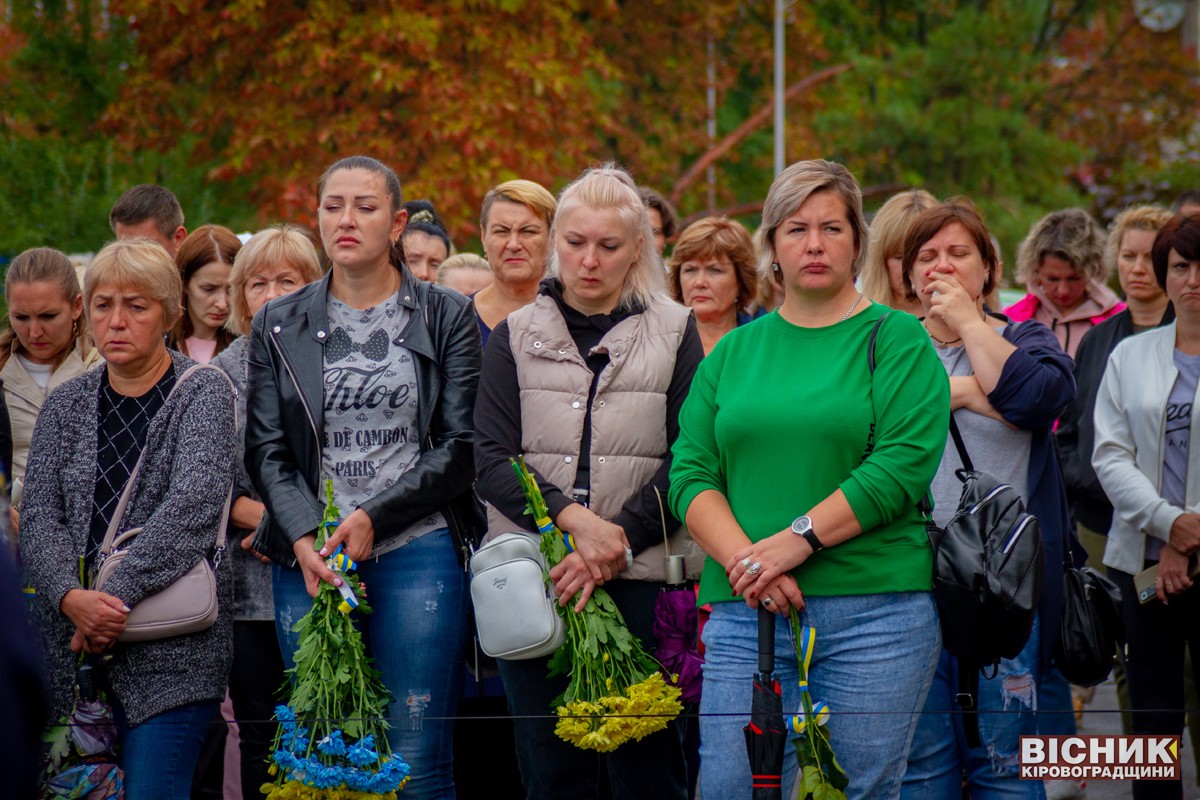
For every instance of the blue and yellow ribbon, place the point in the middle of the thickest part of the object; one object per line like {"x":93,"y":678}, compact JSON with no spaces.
{"x":820,"y":711}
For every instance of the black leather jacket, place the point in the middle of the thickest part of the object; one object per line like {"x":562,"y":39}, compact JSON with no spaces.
{"x":285,"y":417}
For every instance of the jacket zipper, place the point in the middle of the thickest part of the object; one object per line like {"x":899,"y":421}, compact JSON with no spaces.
{"x":287,"y":365}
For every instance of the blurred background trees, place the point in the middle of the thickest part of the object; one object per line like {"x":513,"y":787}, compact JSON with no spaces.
{"x":1025,"y":105}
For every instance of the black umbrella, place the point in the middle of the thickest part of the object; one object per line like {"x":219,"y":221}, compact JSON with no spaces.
{"x":765,"y":735}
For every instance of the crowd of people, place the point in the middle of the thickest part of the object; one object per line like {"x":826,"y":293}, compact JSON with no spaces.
{"x":774,"y":408}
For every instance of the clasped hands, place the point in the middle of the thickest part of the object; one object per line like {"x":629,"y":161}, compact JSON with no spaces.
{"x":761,"y":572}
{"x":99,"y":619}
{"x":601,"y":553}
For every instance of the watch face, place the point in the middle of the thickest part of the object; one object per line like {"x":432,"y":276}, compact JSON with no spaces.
{"x":802,"y":526}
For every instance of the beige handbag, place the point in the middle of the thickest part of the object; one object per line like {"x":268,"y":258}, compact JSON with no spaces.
{"x":189,"y":604}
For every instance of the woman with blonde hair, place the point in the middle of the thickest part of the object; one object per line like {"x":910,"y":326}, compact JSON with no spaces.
{"x":587,"y":382}
{"x":46,"y":342}
{"x":465,"y":273}
{"x":712,"y":271}
{"x":205,"y":260}
{"x":882,"y":275}
{"x":1062,"y":264}
{"x":515,"y":228}
{"x":274,"y":262}
{"x":92,"y":431}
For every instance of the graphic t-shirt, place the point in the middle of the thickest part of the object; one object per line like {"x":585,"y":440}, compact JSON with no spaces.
{"x":1177,"y":439}
{"x":371,"y":432}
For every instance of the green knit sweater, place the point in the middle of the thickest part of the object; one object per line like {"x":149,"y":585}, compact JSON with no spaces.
{"x":779,"y":417}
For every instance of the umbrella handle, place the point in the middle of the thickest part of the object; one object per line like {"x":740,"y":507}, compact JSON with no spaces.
{"x":766,"y":640}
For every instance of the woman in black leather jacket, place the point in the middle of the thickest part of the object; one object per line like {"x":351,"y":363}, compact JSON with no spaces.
{"x":368,"y":377}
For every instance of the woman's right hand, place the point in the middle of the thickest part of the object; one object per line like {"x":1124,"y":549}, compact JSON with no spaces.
{"x":312,"y":565}
{"x":99,"y":616}
{"x":601,"y":543}
{"x":781,"y":596}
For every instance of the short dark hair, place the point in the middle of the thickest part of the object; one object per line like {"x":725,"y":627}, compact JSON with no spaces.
{"x":930,"y":221}
{"x":1181,"y":234}
{"x":652,"y":199}
{"x":147,"y":201}
{"x":1189,"y":197}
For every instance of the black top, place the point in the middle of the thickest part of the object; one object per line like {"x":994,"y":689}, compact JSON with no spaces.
{"x":498,"y":431}
{"x":1076,"y":430}
{"x":120,"y":437}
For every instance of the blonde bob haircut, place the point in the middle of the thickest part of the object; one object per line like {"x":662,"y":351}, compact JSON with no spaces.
{"x":1135,"y":218}
{"x":888,"y":230}
{"x":610,"y":187}
{"x":276,"y":246}
{"x":712,"y":238}
{"x":527,"y":193}
{"x":142,"y":265}
{"x":467,"y":261}
{"x":1072,"y":235}
{"x":791,"y":189}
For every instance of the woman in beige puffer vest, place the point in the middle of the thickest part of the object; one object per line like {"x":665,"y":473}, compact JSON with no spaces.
{"x":587,"y":382}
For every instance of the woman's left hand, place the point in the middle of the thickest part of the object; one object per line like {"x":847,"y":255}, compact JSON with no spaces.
{"x":572,"y":576}
{"x":776,"y":555}
{"x":780,"y":596}
{"x":356,"y":532}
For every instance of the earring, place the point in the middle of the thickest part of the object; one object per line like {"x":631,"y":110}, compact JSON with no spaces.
{"x":777,"y":271}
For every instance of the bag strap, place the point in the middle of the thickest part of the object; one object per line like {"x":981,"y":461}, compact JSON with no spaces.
{"x":960,"y":445}
{"x":968,"y":701}
{"x":106,"y":546}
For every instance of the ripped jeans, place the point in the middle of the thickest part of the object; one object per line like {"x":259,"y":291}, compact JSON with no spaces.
{"x":1008,"y":710}
{"x":416,"y":636}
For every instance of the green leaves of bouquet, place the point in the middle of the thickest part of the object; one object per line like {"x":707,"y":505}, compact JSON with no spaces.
{"x":331,"y":743}
{"x":616,"y":692}
{"x":821,"y":776}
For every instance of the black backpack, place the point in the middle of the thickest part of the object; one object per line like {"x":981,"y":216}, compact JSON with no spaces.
{"x":987,"y":578}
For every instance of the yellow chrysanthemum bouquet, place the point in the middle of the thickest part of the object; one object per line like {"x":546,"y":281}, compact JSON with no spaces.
{"x":617,"y":692}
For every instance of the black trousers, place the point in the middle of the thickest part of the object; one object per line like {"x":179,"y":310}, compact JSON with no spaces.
{"x":552,"y":769}
{"x":1157,"y":635}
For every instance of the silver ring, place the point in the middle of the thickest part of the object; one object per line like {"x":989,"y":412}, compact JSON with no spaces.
{"x":746,"y":562}
{"x":767,"y":601}
{"x":628,"y":557}
{"x":754,"y":568}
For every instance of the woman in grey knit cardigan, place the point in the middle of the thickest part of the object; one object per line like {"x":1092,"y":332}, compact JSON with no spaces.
{"x":87,"y":439}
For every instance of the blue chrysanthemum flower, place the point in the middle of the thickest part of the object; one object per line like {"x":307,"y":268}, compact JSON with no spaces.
{"x":332,"y":745}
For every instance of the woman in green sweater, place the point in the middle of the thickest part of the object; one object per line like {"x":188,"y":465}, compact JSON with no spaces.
{"x":799,"y":469}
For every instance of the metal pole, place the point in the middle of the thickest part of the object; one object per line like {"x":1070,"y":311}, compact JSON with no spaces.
{"x":780,"y":6}
{"x":712,"y":119}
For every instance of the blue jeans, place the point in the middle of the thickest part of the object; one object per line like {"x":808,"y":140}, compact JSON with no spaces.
{"x":159,"y":756}
{"x":416,"y":636}
{"x":1008,"y":710}
{"x":872,"y":664}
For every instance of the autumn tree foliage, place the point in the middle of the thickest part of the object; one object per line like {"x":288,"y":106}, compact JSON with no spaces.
{"x":238,"y":104}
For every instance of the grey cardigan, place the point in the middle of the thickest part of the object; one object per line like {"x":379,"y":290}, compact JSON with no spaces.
{"x":190,"y":454}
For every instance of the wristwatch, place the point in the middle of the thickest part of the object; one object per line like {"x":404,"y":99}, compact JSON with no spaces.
{"x":803,"y":527}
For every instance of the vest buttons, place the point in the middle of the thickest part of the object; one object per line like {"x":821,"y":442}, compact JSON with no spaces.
{"x":537,"y":345}
{"x":575,"y":404}
{"x":601,"y":459}
{"x":277,"y":329}
{"x":567,"y":459}
{"x":601,"y":402}
{"x":320,"y":334}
